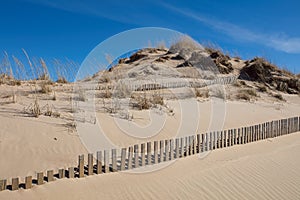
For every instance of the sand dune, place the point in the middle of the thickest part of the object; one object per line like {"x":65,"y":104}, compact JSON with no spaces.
{"x":30,"y":145}
{"x":266,"y":169}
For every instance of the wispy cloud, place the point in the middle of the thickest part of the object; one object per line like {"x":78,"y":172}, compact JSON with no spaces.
{"x":119,"y":11}
{"x":115,"y":11}
{"x":285,"y":43}
{"x":279,"y":42}
{"x":88,"y":7}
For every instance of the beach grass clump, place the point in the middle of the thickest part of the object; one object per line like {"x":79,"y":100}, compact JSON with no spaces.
{"x":45,"y":88}
{"x":107,"y":94}
{"x":217,"y":92}
{"x":81,"y":95}
{"x":61,"y":80}
{"x":250,"y":92}
{"x":143,"y":102}
{"x":243,"y":96}
{"x":33,"y":109}
{"x":262,"y":88}
{"x":201,"y":93}
{"x":157,"y":99}
{"x":279,"y":97}
{"x":140,"y":102}
{"x":184,"y":46}
{"x":246,"y":94}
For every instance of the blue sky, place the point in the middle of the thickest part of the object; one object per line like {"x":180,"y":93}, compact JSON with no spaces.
{"x":61,"y":28}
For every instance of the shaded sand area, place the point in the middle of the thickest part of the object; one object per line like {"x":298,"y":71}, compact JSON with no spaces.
{"x":266,"y":169}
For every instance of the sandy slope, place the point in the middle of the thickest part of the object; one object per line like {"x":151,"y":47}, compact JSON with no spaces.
{"x":29,"y":145}
{"x":190,"y":117}
{"x":266,"y":169}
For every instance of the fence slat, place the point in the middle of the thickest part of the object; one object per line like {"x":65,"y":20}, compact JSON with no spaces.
{"x":210,"y":141}
{"x":255,"y":132}
{"x":281,"y":127}
{"x":185,"y":147}
{"x":232,"y":137}
{"x":225,"y":139}
{"x":90,"y":164}
{"x":143,"y":154}
{"x":171,"y":149}
{"x":71,"y":173}
{"x":252,"y":133}
{"x":234,"y":141}
{"x":221,"y":139}
{"x":229,"y":138}
{"x":15,"y":184}
{"x":81,"y":166}
{"x":272,"y":129}
{"x":276,"y":129}
{"x":99,"y":162}
{"x":149,"y":155}
{"x":176,"y":148}
{"x":298,"y":126}
{"x":190,"y":145}
{"x":198,"y":146}
{"x":3,"y":184}
{"x":28,"y":182}
{"x":123,"y":159}
{"x":181,"y":151}
{"x":246,"y":135}
{"x":298,"y":123}
{"x":161,"y":148}
{"x":114,"y":160}
{"x":202,"y":142}
{"x":259,"y":132}
{"x":50,"y":176}
{"x":136,"y":155}
{"x":155,"y":152}
{"x":106,"y":161}
{"x":130,"y":156}
{"x":40,"y":178}
{"x":266,"y":130}
{"x":167,"y":150}
{"x":61,"y":173}
{"x":240,"y":135}
{"x":215,"y":139}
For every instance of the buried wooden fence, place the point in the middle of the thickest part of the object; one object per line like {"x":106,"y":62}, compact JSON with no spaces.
{"x":158,"y":151}
{"x":161,"y":84}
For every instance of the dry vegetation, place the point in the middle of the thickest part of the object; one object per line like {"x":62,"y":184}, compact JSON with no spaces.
{"x":257,"y":76}
{"x":202,"y":93}
{"x":145,"y":101}
{"x":220,"y":59}
{"x":279,"y":97}
{"x":33,"y":84}
{"x":264,"y":72}
{"x":246,"y":94}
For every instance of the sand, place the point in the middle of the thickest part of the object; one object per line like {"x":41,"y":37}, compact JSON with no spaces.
{"x":262,"y":170}
{"x":30,"y":145}
{"x":266,"y":169}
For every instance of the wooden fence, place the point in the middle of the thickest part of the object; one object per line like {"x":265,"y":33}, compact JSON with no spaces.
{"x":150,"y":153}
{"x":148,"y":85}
